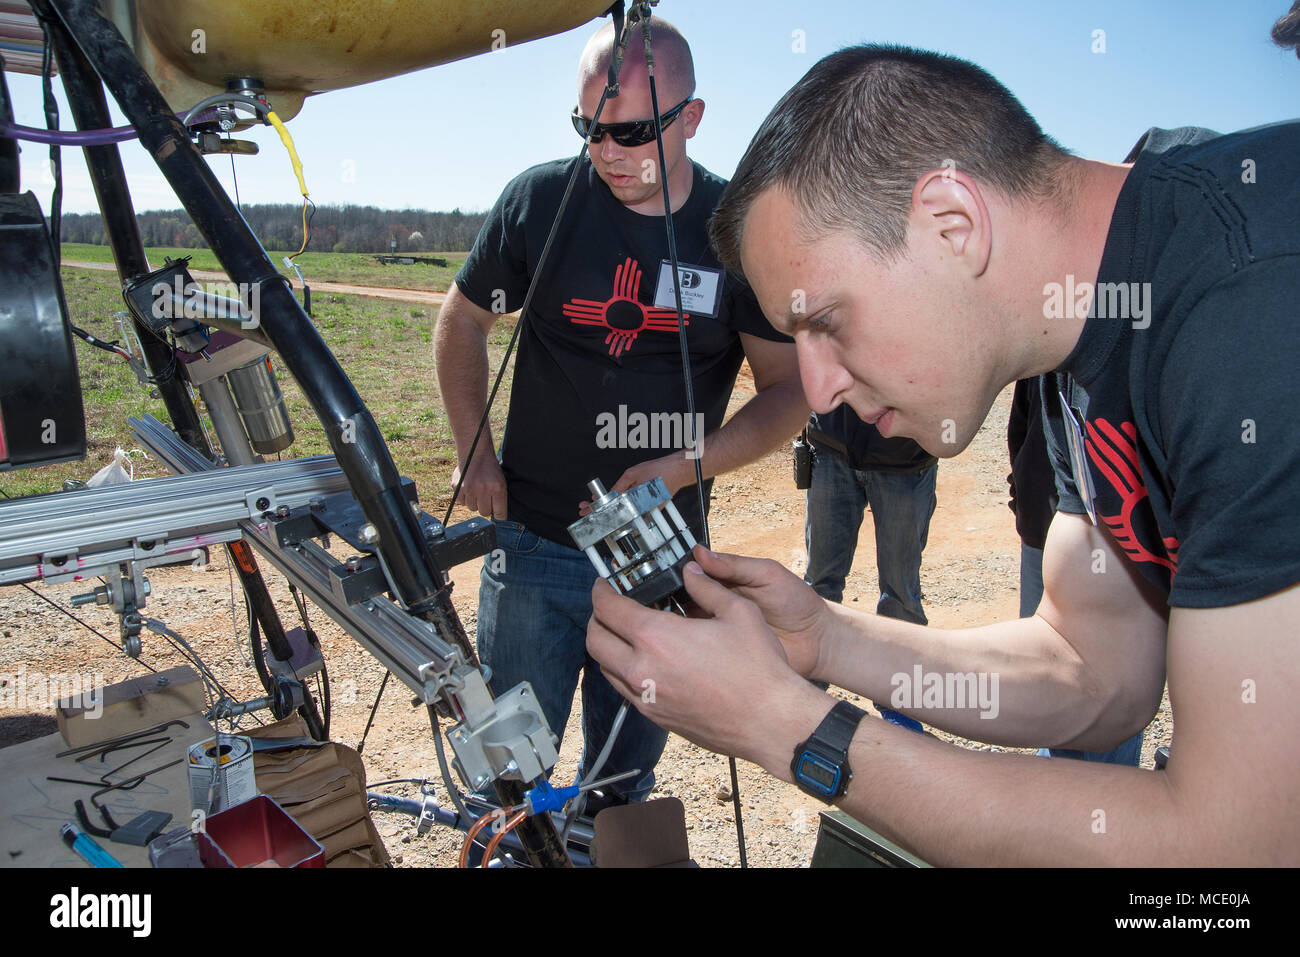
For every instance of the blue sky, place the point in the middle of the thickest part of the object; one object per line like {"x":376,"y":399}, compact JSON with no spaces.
{"x":451,"y":136}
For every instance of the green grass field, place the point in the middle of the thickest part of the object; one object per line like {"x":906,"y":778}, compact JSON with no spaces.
{"x":358,"y":269}
{"x":386,"y":348}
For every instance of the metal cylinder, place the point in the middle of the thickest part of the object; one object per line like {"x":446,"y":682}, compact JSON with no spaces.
{"x":261,"y":406}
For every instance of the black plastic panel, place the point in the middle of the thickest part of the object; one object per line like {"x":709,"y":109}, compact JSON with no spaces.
{"x":41,"y":416}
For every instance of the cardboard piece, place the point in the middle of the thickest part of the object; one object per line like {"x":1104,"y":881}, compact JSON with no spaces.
{"x":652,"y":834}
{"x":324,"y":790}
{"x":33,"y":809}
{"x":128,"y":705}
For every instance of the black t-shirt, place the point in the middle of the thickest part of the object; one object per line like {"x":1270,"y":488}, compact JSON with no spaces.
{"x":598,"y":383}
{"x":841,"y":433}
{"x":1189,"y":397}
{"x":1032,"y":479}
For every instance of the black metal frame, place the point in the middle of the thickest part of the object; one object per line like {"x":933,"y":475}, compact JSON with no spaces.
{"x":92,"y":55}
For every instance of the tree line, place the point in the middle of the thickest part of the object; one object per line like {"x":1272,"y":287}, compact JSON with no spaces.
{"x":340,"y":229}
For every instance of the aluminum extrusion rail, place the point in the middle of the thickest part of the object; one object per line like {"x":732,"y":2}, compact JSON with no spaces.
{"x":406,"y":645}
{"x":66,"y":535}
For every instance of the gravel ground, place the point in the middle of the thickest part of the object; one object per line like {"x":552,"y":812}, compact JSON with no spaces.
{"x":969,"y":578}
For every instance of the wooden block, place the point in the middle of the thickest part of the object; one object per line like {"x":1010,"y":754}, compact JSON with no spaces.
{"x":131,"y":705}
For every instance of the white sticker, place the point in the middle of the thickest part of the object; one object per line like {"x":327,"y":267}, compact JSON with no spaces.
{"x":701,"y":289}
{"x":1078,"y":462}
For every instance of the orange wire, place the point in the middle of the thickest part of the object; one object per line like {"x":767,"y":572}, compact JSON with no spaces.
{"x":481,"y":823}
{"x":496,"y":838}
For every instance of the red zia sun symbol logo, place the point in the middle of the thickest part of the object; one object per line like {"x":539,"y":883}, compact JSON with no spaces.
{"x":622,"y":314}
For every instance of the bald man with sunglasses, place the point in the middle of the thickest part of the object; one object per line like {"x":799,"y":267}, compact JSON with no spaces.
{"x":598,"y":389}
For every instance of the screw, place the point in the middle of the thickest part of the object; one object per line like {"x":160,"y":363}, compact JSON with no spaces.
{"x":282,"y":511}
{"x":316,"y":504}
{"x":369,"y":534}
{"x":147,"y":546}
{"x":354,"y":563}
{"x":163,"y":680}
{"x":262,"y":504}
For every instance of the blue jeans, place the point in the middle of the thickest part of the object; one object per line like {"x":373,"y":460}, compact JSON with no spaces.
{"x":1031,"y":593}
{"x":901,"y":506}
{"x":534,"y":603}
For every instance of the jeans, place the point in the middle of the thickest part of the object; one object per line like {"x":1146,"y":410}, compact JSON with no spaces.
{"x":534,"y":603}
{"x":901,"y":506}
{"x":1031,"y":593}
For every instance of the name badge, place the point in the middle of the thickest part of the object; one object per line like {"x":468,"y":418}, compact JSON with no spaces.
{"x":1078,"y":462}
{"x":701,"y":288}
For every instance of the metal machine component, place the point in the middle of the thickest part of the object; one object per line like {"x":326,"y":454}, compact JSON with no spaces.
{"x":261,"y":406}
{"x":504,"y":738}
{"x":76,"y":535}
{"x":244,"y":400}
{"x":637,"y":541}
{"x":408,"y":646}
{"x":287,"y":698}
{"x":170,"y":299}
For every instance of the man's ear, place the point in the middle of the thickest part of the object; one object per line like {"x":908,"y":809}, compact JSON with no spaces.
{"x":948,"y":208}
{"x":692,"y":113}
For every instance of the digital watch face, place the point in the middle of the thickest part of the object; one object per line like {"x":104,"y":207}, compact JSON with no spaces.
{"x":818,"y":773}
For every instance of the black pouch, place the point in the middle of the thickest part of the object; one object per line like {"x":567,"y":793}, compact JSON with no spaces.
{"x":803,"y":461}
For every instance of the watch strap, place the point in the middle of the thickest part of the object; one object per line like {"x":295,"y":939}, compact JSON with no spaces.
{"x":838,"y":727}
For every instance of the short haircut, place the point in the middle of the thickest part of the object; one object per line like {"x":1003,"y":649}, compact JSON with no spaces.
{"x":1286,"y":31}
{"x":674,"y":65}
{"x":852,"y":137}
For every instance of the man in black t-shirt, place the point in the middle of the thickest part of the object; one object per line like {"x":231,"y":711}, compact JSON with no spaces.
{"x":598,"y":388}
{"x":946,"y":248}
{"x":854,"y":467}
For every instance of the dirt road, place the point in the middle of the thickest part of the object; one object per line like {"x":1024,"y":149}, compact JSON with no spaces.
{"x":401,"y":295}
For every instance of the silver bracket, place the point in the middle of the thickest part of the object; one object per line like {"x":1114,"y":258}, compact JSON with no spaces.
{"x":512,"y":742}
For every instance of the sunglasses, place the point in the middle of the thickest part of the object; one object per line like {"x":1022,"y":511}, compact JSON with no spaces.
{"x":633,"y":133}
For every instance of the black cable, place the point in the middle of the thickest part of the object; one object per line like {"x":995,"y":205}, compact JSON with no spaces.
{"x":65,"y":611}
{"x":373,"y":708}
{"x":620,"y":46}
{"x":379,"y":784}
{"x":686,"y":364}
{"x":56,"y":163}
{"x":98,"y":343}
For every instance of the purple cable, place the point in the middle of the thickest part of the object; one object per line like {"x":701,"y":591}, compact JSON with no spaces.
{"x":34,"y":134}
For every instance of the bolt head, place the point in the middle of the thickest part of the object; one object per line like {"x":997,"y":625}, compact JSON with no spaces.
{"x":369,"y":534}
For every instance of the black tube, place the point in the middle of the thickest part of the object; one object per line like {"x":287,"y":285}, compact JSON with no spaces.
{"x":9,"y":181}
{"x":537,"y":834}
{"x":352,"y":432}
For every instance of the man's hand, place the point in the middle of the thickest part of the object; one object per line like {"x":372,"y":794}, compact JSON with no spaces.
{"x":675,"y":469}
{"x":796,"y":613}
{"x":722,"y":681}
{"x":484,"y":490}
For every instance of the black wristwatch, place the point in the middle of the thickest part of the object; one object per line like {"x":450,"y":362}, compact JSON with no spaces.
{"x":821,"y":764}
